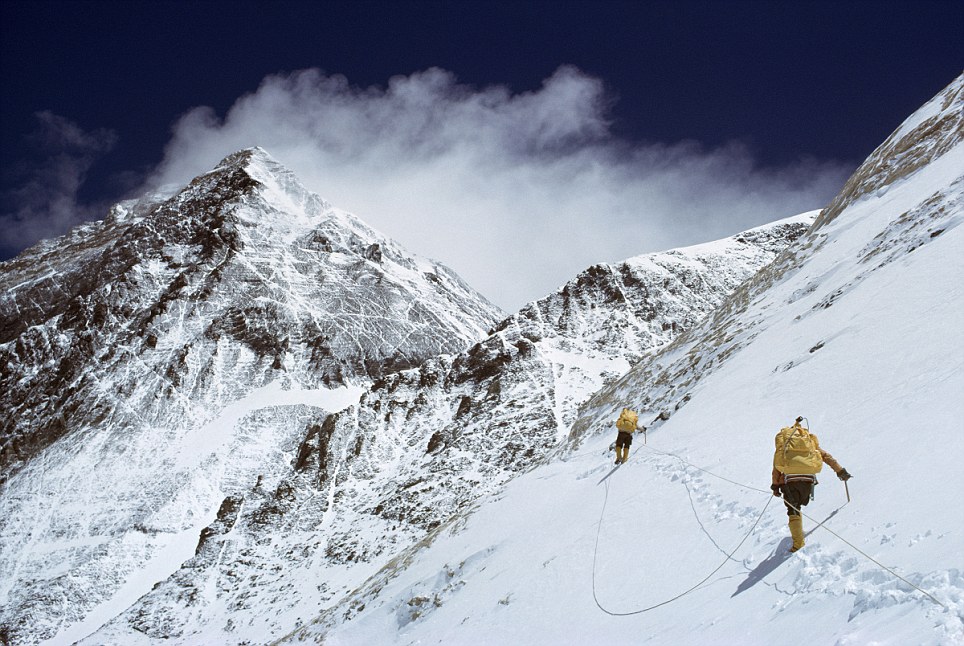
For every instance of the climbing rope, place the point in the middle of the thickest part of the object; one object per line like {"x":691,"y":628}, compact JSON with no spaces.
{"x":867,"y":556}
{"x":681,"y":594}
{"x":730,"y":555}
{"x":810,"y":518}
{"x":710,"y":473}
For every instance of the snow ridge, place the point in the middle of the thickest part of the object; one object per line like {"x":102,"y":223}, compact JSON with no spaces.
{"x":856,"y":325}
{"x":423,"y":444}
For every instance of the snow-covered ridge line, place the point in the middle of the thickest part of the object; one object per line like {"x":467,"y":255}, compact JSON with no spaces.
{"x":757,"y":235}
{"x":422,"y":444}
{"x":857,"y":327}
{"x":927,"y":134}
{"x":704,"y":348}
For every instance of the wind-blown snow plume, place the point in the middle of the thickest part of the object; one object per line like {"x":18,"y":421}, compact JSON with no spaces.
{"x":469,"y":175}
{"x":46,"y":205}
{"x":857,"y":326}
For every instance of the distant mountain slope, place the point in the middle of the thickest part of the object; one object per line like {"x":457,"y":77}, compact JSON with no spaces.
{"x":884,"y":230}
{"x":155,"y":362}
{"x":856,"y":326}
{"x":423,"y":444}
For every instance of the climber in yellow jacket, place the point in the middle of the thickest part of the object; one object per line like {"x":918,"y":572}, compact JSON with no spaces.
{"x":796,"y":461}
{"x":627,"y":424}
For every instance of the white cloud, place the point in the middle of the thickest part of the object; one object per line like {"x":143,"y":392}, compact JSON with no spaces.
{"x":516,"y":192}
{"x":45,"y":204}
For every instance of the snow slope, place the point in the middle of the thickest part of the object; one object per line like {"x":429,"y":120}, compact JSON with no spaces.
{"x":170,"y":374}
{"x":857,"y":327}
{"x":422,"y":444}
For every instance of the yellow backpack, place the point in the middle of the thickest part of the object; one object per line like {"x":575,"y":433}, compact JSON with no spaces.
{"x":627,"y":420}
{"x":797,"y":451}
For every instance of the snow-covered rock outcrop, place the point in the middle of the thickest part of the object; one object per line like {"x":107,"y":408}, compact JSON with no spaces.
{"x":424,"y":444}
{"x":157,"y":362}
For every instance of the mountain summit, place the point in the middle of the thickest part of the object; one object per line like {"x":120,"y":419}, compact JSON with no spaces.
{"x":134,"y":350}
{"x":240,"y":278}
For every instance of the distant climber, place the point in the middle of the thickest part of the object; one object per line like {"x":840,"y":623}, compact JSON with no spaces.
{"x":796,"y":461}
{"x":627,"y":424}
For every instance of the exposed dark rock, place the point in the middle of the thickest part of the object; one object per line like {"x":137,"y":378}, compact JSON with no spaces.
{"x":226,"y":518}
{"x":373,"y":252}
{"x":465,"y":405}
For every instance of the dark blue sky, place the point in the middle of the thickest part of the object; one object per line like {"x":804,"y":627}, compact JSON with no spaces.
{"x":828,"y":80}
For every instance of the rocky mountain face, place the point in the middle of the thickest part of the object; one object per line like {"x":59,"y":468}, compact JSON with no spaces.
{"x":243,"y":256}
{"x":424,"y":445}
{"x":243,"y":266}
{"x":165,"y":357}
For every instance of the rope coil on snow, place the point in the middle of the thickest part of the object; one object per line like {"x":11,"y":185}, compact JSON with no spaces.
{"x":680,"y":595}
{"x":730,"y":555}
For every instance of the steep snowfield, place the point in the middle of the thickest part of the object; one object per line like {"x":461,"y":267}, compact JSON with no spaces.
{"x":857,"y":327}
{"x":424,"y":443}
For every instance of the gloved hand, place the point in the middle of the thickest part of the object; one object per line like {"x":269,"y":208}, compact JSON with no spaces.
{"x":775,"y":488}
{"x":843,"y":475}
